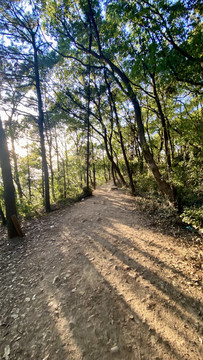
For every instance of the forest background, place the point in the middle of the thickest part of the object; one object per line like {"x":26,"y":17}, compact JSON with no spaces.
{"x":99,"y":90}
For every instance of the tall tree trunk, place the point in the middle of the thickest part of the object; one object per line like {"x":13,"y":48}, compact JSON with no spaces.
{"x":41,"y":127}
{"x":109,"y":152}
{"x":113,"y":174}
{"x":66,"y":164}
{"x":104,"y":167}
{"x":112,"y":100}
{"x":163,"y":123}
{"x":16,"y":174}
{"x":29,"y":176}
{"x":43,"y":189}
{"x":14,"y":157}
{"x":171,"y":142}
{"x":57,"y":150}
{"x":3,"y":219}
{"x":115,"y":167}
{"x":49,"y":141}
{"x":52,"y":174}
{"x":164,"y":187}
{"x":93,"y":167}
{"x":64,"y":180}
{"x":88,"y":150}
{"x":88,"y":116}
{"x":9,"y":191}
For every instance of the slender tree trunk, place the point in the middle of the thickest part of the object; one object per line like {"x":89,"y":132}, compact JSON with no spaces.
{"x":29,"y":176}
{"x":41,"y":127}
{"x":93,"y":168}
{"x":52,"y":174}
{"x":64,"y":180}
{"x":109,"y":152}
{"x":88,"y":116}
{"x":163,"y":122}
{"x":43,"y":189}
{"x":16,"y":174}
{"x":9,"y":191}
{"x":66,"y":165}
{"x":88,"y":151}
{"x":148,"y":134}
{"x":104,"y":167}
{"x":94,"y":176}
{"x":49,"y":141}
{"x":3,"y":219}
{"x":57,"y":150}
{"x":14,"y":157}
{"x":113,"y":174}
{"x":172,"y":146}
{"x":114,"y":165}
{"x":111,"y":98}
{"x":164,"y":187}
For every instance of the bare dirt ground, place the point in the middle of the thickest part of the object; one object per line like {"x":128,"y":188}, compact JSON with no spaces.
{"x":96,"y":281}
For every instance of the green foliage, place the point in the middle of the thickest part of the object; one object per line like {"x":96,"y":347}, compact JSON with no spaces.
{"x":154,"y":44}
{"x":145,"y":184}
{"x":87,"y":192}
{"x":193,"y":216}
{"x":28,"y":210}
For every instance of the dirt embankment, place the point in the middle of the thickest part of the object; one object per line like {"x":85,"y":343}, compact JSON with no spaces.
{"x":95,"y":281}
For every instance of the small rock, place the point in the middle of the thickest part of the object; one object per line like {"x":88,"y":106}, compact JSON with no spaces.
{"x":27,"y":299}
{"x":71,"y":325}
{"x":56,"y":280}
{"x":90,"y":317}
{"x":14,"y":316}
{"x":126,"y":267}
{"x":17,"y":338}
{"x":7,"y":352}
{"x":114,"y":349}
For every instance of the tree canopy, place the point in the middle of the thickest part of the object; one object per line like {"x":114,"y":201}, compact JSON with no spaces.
{"x":102,"y":90}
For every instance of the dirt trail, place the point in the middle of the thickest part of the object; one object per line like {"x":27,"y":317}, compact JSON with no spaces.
{"x":93,"y":281}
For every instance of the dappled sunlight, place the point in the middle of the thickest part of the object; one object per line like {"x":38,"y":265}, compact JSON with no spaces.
{"x":138,"y":301}
{"x":130,"y":241}
{"x":157,"y":303}
{"x":100,"y":287}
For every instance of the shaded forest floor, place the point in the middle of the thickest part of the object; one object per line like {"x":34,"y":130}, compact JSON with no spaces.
{"x":101,"y":280}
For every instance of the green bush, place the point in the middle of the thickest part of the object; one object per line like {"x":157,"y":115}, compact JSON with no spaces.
{"x":193,"y":216}
{"x":145,"y":183}
{"x":87,"y":191}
